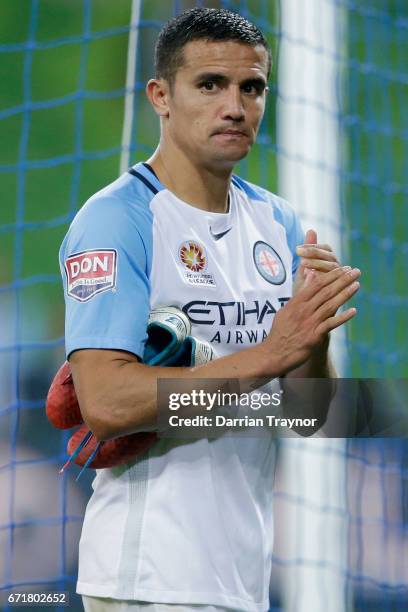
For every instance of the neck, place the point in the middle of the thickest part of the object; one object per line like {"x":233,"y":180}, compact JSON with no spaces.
{"x":202,"y":187}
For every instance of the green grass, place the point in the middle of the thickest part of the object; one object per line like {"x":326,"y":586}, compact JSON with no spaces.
{"x":374,"y":202}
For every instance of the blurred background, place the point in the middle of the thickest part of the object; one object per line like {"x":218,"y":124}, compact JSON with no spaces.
{"x":334,"y":141}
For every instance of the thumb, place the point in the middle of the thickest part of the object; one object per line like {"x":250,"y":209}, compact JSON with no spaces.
{"x":311,"y":237}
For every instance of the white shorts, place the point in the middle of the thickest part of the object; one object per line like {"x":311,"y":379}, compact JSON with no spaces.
{"x":103,"y":604}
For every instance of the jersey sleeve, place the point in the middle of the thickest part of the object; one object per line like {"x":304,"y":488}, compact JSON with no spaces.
{"x":105,"y":262}
{"x":295,"y":235}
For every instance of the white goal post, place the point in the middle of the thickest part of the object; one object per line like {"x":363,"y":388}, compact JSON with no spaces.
{"x":309,"y":159}
{"x":131,"y":68}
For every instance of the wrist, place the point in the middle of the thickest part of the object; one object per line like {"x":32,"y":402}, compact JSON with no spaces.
{"x":320,"y":352}
{"x":270,"y":364}
{"x":318,"y":365}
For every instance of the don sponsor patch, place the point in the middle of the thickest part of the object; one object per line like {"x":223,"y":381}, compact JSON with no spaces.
{"x":90,"y":272}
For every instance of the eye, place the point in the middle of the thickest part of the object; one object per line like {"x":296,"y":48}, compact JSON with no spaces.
{"x":208,"y":85}
{"x":253,"y":89}
{"x":248,"y":88}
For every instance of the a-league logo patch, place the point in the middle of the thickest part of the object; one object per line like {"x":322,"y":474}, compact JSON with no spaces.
{"x":194,"y":262}
{"x":90,"y":272}
{"x":192,"y":254}
{"x":269,"y":264}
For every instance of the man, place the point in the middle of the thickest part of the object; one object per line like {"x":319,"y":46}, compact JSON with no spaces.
{"x":189,"y":526}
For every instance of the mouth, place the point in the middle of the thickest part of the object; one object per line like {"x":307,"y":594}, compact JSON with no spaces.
{"x":231,"y":133}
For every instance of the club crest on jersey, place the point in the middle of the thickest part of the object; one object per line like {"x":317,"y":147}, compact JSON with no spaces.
{"x":268,"y":263}
{"x":194,"y":262}
{"x":90,"y":272}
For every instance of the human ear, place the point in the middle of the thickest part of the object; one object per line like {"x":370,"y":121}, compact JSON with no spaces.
{"x":157,"y":91}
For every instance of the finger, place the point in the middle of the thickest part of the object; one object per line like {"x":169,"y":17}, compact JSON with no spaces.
{"x":311,"y":237}
{"x":320,"y":289}
{"x":319,"y":264}
{"x":325,"y":247}
{"x":316,"y":253}
{"x":330,"y":307}
{"x":309,"y":276}
{"x":333,"y":322}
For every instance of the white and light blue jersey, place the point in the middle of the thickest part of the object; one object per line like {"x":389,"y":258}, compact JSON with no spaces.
{"x":188,"y":522}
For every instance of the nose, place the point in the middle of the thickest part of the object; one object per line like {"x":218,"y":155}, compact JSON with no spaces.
{"x":233,"y":109}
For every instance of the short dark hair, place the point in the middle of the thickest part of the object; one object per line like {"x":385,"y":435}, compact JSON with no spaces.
{"x":206,"y":24}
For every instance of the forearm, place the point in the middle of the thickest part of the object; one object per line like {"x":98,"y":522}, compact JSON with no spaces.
{"x":118,"y":395}
{"x":309,"y":398}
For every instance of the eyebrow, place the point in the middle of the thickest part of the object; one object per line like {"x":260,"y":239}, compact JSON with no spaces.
{"x":210,"y":76}
{"x":220,"y":78}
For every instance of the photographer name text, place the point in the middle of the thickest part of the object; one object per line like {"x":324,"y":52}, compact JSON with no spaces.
{"x":219,"y":420}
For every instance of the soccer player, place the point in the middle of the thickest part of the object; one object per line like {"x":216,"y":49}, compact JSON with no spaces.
{"x":188,"y":526}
